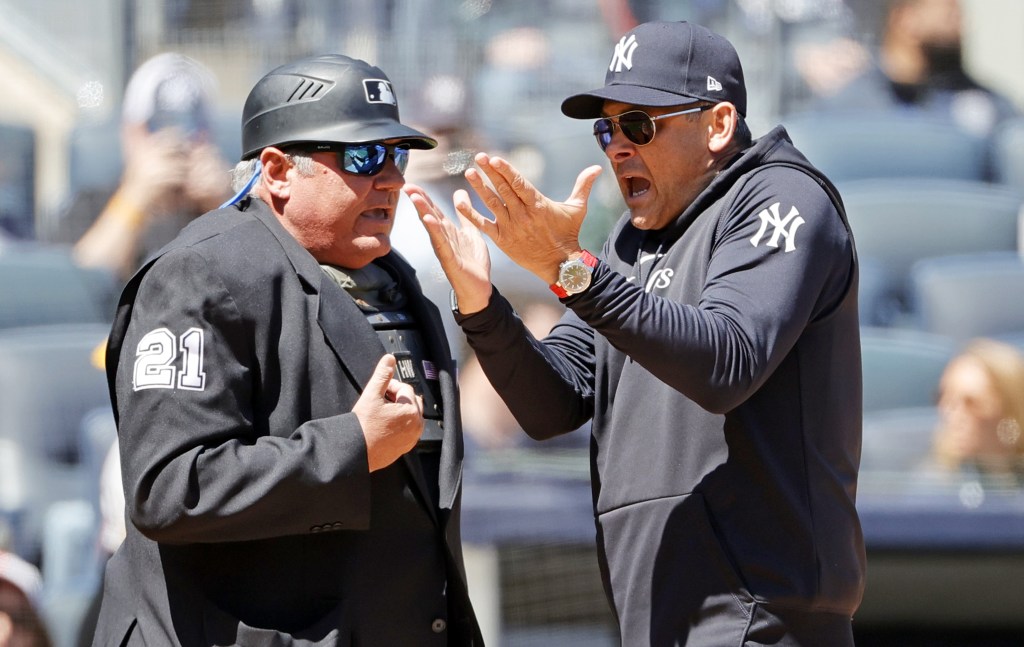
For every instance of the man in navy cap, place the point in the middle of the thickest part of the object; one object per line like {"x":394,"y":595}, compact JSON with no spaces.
{"x":287,"y":411}
{"x":713,"y":341}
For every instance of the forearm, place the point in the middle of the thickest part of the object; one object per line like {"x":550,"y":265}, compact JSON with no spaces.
{"x":237,"y":490}
{"x":546,"y":385}
{"x":112,"y":240}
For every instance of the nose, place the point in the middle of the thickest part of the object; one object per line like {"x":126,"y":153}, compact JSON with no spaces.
{"x":619,"y":148}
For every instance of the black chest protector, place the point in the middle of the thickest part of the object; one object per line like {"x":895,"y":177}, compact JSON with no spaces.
{"x":386,"y":308}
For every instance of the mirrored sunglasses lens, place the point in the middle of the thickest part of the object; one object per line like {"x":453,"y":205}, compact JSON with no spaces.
{"x":364,"y":159}
{"x":401,"y":156}
{"x":637,"y":127}
{"x":603,"y":132}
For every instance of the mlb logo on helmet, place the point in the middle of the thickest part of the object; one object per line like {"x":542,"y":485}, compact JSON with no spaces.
{"x":379,"y":91}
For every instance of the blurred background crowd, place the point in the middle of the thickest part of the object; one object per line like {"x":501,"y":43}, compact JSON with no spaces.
{"x":119,"y":123}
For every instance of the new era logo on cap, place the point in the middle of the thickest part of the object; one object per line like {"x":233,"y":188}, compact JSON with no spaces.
{"x":379,"y":91}
{"x":714,"y":85}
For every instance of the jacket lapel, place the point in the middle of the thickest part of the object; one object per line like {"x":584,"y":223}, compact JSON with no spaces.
{"x":431,"y":328}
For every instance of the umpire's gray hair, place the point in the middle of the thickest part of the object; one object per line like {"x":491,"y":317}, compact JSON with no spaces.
{"x":243,"y":171}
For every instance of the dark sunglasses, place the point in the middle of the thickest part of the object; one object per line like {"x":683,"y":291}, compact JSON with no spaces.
{"x":636,"y":125}
{"x":368,"y":159}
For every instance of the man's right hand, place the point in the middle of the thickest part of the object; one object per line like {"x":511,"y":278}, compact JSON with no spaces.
{"x":391,"y":415}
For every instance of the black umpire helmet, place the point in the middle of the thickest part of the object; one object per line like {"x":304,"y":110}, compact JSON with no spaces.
{"x":326,"y":98}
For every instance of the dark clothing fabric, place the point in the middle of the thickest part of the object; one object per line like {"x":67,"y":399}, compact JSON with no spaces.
{"x":234,"y":363}
{"x":720,"y":361}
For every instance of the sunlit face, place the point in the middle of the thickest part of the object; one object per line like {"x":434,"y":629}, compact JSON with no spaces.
{"x":340,"y":218}
{"x":971,"y":408}
{"x":661,"y":179}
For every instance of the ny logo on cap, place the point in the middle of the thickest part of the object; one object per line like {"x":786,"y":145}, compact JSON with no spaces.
{"x":623,"y":54}
{"x":379,"y":91}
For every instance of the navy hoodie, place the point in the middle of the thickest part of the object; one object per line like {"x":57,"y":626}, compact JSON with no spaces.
{"x":719,"y":359}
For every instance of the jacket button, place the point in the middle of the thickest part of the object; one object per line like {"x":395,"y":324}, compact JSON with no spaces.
{"x":439,"y":625}
{"x":315,"y":529}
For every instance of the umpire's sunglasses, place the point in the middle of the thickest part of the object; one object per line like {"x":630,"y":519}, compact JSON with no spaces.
{"x":636,"y":125}
{"x":368,"y":159}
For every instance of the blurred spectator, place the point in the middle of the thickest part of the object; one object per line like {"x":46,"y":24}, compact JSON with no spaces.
{"x":173,"y":170}
{"x":20,"y":587}
{"x":981,"y":409}
{"x":919,"y":65}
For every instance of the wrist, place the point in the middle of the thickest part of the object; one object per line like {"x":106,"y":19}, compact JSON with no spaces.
{"x":125,"y":209}
{"x":574,"y":274}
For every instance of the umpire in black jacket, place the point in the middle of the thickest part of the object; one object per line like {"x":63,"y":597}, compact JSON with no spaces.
{"x":285,"y":396}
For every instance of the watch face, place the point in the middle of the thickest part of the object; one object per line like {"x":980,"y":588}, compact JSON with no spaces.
{"x":574,"y":277}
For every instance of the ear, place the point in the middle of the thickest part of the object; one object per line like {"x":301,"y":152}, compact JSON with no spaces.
{"x":722,"y":127}
{"x":274,"y":176}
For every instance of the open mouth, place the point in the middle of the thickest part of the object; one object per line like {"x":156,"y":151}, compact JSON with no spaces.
{"x":637,"y":186}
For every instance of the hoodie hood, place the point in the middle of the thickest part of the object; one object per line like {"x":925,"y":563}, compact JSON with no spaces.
{"x":775,"y":147}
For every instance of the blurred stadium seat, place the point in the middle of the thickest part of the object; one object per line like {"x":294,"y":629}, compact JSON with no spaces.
{"x":852,"y":146}
{"x":17,"y":180}
{"x":897,"y":222}
{"x":43,"y":285}
{"x":972,"y":295}
{"x":48,"y":385}
{"x":1008,"y":154}
{"x":902,"y":367}
{"x":897,"y":440}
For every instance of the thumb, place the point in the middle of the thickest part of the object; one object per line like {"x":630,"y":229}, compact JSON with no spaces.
{"x":584,"y":184}
{"x":381,"y":378}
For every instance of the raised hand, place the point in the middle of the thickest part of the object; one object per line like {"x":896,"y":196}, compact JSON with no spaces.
{"x":533,"y":230}
{"x":461,"y":250}
{"x":391,"y":415}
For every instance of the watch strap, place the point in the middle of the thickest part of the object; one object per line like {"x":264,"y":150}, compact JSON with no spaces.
{"x":588,"y":259}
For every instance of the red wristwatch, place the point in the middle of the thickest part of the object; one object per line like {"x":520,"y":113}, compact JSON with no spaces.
{"x":574,"y":275}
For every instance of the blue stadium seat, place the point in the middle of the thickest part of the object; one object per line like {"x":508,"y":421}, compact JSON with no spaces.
{"x":17,"y":181}
{"x":1008,"y":153}
{"x":852,"y":146}
{"x":973,"y":295}
{"x":897,"y":222}
{"x":902,"y":367}
{"x":49,"y":385}
{"x":43,"y":285}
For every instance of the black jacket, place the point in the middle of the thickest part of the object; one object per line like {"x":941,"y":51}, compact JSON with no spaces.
{"x":234,"y":363}
{"x":720,"y":361}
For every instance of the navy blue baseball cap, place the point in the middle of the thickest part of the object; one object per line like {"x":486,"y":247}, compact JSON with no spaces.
{"x":666,"y":64}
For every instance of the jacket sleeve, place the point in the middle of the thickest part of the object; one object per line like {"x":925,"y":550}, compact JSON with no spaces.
{"x":198,"y":463}
{"x":547,"y":385}
{"x":782,"y":259}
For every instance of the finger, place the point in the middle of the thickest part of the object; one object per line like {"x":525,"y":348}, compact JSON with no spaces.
{"x":584,"y":184}
{"x":490,"y":198}
{"x":504,"y":192}
{"x":516,"y":182}
{"x":470,"y":216}
{"x":380,"y":381}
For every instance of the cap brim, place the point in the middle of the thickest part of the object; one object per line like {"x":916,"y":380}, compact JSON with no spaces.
{"x":390,"y":130}
{"x":365,"y":131}
{"x":588,"y":105}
